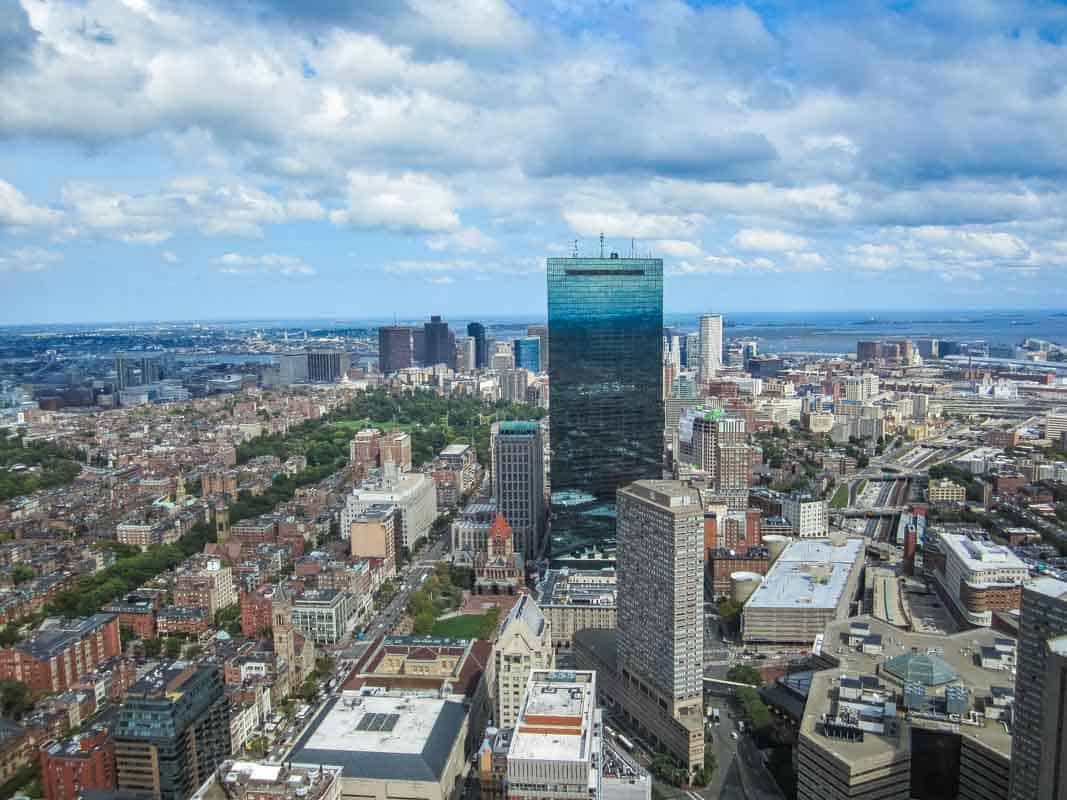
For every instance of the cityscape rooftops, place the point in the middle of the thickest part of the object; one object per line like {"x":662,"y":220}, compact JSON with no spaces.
{"x":556,"y":720}
{"x":981,"y":554}
{"x":384,"y":736}
{"x":55,"y":636}
{"x":810,"y":573}
{"x":518,"y":428}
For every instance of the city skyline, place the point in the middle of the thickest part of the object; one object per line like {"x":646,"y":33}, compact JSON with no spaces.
{"x":424,"y":157}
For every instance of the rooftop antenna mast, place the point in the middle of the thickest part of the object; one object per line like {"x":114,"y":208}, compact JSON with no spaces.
{"x":575,"y":249}
{"x":633,"y":248}
{"x":602,"y":244}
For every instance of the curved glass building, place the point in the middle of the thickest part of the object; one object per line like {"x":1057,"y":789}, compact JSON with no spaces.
{"x":605,"y":337}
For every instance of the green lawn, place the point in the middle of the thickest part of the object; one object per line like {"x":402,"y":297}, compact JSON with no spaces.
{"x":468,"y":626}
{"x":840,"y":498}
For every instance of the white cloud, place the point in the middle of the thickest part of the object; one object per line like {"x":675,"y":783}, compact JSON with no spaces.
{"x":170,"y":256}
{"x":768,"y":241}
{"x":28,"y":259}
{"x":408,"y":202}
{"x":18,"y":212}
{"x":627,"y":223}
{"x":873,"y":257}
{"x":464,"y":239}
{"x":238,"y":264}
{"x":676,"y":247}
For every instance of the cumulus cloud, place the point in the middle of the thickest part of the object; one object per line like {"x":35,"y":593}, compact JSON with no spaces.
{"x":464,"y":239}
{"x":238,"y":264}
{"x":18,"y":212}
{"x":773,"y":241}
{"x":725,"y":140}
{"x":29,"y":259}
{"x":407,"y":202}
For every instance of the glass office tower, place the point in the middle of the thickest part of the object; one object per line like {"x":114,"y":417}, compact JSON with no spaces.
{"x":605,"y":339}
{"x":528,"y":353}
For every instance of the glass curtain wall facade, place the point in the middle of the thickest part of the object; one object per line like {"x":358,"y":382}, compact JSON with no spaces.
{"x":476,"y":331}
{"x":528,"y":354}
{"x":605,"y":325}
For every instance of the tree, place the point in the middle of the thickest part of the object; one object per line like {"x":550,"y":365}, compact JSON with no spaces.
{"x":743,"y":673}
{"x":424,"y":622}
{"x":172,"y":647}
{"x":754,"y":709}
{"x":21,"y":573}
{"x":15,"y":699}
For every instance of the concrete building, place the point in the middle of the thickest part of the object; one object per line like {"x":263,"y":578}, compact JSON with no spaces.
{"x":657,"y":674}
{"x":853,"y":741}
{"x":394,"y":348}
{"x":292,"y":368}
{"x":710,"y":346}
{"x":946,"y":491}
{"x":413,"y":494}
{"x":391,"y":745}
{"x":523,"y":645}
{"x":809,"y":516}
{"x":978,"y":577}
{"x":517,"y":452}
{"x":327,"y":366}
{"x":373,"y":533}
{"x":555,"y":749}
{"x":811,"y":584}
{"x":576,"y":599}
{"x":1039,"y":752}
{"x":173,"y":730}
{"x":323,"y":614}
{"x":260,"y":780}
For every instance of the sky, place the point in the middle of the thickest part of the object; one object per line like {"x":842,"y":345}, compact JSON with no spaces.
{"x":213,"y":159}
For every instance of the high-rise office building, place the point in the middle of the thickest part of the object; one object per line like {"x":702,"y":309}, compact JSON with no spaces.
{"x":173,"y":731}
{"x":523,"y":644}
{"x":605,"y":321}
{"x":440,"y":342}
{"x":292,"y":368}
{"x":541,"y":332}
{"x":710,"y":346}
{"x":394,"y":348}
{"x":1039,"y":729}
{"x":123,"y":373}
{"x":528,"y":353}
{"x":476,"y":331}
{"x":466,"y":354}
{"x":418,"y":345}
{"x":513,"y":384}
{"x":152,"y":369}
{"x":660,"y":572}
{"x":517,"y":453}
{"x":327,"y":366}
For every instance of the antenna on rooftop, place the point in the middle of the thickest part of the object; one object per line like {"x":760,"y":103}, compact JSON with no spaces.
{"x":602,"y":244}
{"x":575,"y":249}
{"x":633,"y":248}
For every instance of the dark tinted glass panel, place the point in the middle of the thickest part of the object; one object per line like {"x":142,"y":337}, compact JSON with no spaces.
{"x":605,"y":319}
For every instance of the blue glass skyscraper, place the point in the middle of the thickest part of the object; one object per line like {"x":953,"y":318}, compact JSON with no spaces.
{"x":605,"y":321}
{"x":476,"y":331}
{"x":528,"y":353}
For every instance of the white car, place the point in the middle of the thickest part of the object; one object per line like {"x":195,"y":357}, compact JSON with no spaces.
{"x":733,"y":735}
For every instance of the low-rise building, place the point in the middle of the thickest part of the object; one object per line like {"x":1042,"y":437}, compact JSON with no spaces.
{"x":84,"y":762}
{"x":390,"y":746}
{"x":323,"y":614}
{"x":978,"y":577}
{"x":573,"y":600}
{"x":555,"y":749}
{"x":60,"y":652}
{"x":257,"y":780}
{"x":946,"y":491}
{"x":808,"y":516}
{"x":812,"y":583}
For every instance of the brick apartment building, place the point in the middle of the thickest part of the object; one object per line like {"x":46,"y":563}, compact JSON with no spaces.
{"x":55,"y":657}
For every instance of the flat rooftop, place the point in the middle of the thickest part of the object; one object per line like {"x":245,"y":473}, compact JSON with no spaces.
{"x":383,"y":736}
{"x":981,"y":554}
{"x":810,"y":573}
{"x":959,"y":651}
{"x":556,"y":721}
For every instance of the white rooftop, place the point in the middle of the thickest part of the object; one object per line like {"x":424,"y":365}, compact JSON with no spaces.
{"x":1050,"y":587}
{"x":380,"y":724}
{"x":980,"y":555}
{"x":810,"y":573}
{"x":568,"y":699}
